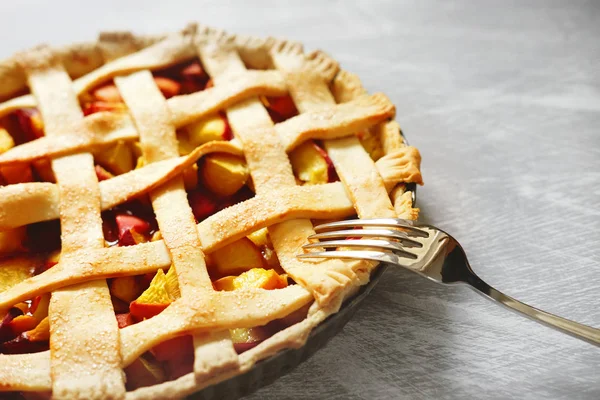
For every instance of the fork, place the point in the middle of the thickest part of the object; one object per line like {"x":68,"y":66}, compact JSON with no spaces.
{"x":428,"y":251}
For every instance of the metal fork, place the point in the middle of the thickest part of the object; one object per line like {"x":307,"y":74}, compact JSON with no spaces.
{"x":428,"y":251}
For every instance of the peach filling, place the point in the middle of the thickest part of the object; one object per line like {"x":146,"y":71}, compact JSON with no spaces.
{"x":217,"y":181}
{"x":22,"y":126}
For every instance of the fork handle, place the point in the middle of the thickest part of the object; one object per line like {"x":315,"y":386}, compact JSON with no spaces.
{"x":580,"y":331}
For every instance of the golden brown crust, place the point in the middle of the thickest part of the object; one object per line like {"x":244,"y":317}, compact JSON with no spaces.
{"x":40,"y":200}
{"x":85,"y":360}
{"x":315,"y":82}
{"x":346,"y":87}
{"x":353,"y":165}
{"x":35,"y":379}
{"x":335,"y":120}
{"x":400,"y":166}
{"x":78,"y":60}
{"x":270,"y":169}
{"x":216,"y":231}
{"x":214,"y":352}
{"x":99,"y":264}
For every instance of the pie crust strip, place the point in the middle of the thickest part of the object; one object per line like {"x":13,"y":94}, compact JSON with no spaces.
{"x":200,"y":312}
{"x":294,"y":336}
{"x":345,"y":88}
{"x":213,"y":353}
{"x":106,"y":128}
{"x":84,"y":337}
{"x":270,"y":169}
{"x":216,"y":231}
{"x":335,"y":121}
{"x":27,"y":203}
{"x":174,"y":49}
{"x":99,"y":264}
{"x":390,"y":170}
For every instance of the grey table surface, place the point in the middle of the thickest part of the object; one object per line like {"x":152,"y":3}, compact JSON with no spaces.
{"x":503,"y":100}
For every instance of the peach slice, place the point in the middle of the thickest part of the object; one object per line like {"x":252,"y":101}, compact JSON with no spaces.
{"x":172,"y":283}
{"x":224,"y":174}
{"x":260,"y":278}
{"x":102,"y":174}
{"x":311,"y":163}
{"x":43,"y":169}
{"x":126,"y":222}
{"x":193,"y":71}
{"x":246,"y":338}
{"x":39,"y":306}
{"x":184,"y":147}
{"x":40,"y":333}
{"x":117,"y":158}
{"x":99,"y":106}
{"x":260,"y":237}
{"x":157,"y":293}
{"x":12,"y":240}
{"x":211,"y":128}
{"x":18,"y":173}
{"x":108,"y":93}
{"x":192,"y":78}
{"x":6,"y":140}
{"x":131,"y":238}
{"x":190,"y":177}
{"x":224,"y":284}
{"x":141,"y":311}
{"x":163,"y":290}
{"x":203,"y":204}
{"x":22,"y":323}
{"x":14,"y":270}
{"x":132,"y":230}
{"x":280,"y":108}
{"x":237,"y":257}
{"x":168,"y":87}
{"x":125,"y":288}
{"x":31,"y":123}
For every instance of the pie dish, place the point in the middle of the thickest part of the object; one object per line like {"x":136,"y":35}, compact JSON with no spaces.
{"x":156,"y":190}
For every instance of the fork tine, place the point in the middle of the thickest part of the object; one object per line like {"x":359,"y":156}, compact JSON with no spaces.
{"x":370,"y":243}
{"x":385,"y":233}
{"x":354,"y":255}
{"x":379,"y":222}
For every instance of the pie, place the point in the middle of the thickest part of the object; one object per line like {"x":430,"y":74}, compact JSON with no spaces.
{"x":155,"y":193}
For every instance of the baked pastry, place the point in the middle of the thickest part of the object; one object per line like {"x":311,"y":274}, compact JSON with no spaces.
{"x":155,"y":193}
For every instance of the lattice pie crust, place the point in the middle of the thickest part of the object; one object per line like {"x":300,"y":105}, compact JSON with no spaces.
{"x":87,"y":350}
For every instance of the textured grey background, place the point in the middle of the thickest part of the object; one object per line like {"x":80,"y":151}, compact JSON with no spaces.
{"x":503,"y":99}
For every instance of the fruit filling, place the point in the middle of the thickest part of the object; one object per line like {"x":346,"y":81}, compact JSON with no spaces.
{"x":22,"y":126}
{"x":25,"y":327}
{"x":279,"y":108}
{"x":130,"y":223}
{"x":180,"y":79}
{"x":212,"y":127}
{"x":216,"y":181}
{"x":312,"y":165}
